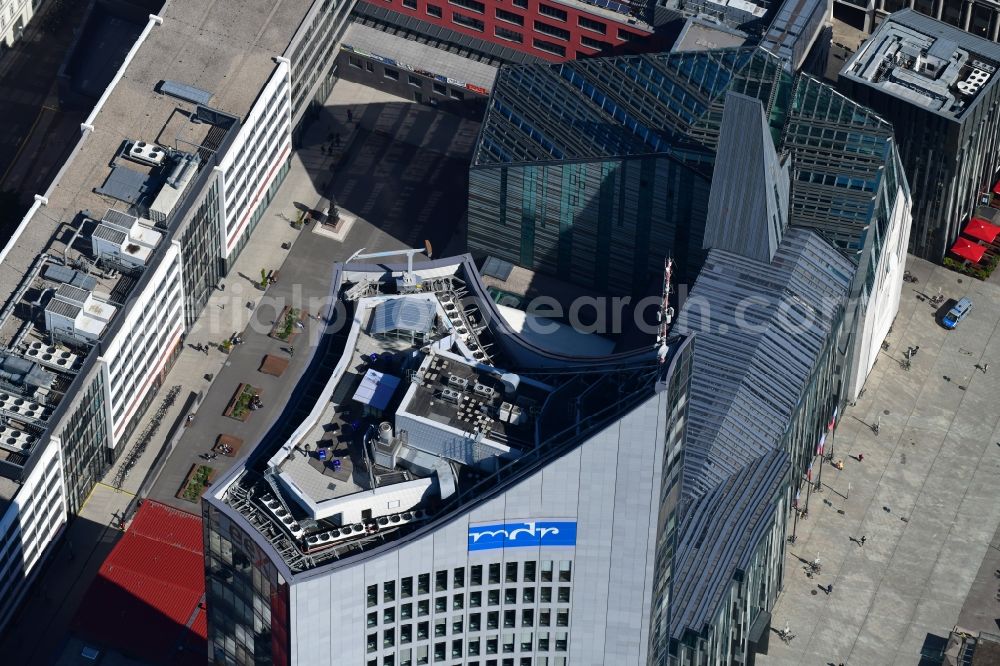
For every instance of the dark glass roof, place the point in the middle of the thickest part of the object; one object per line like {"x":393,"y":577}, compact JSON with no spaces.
{"x":620,"y":106}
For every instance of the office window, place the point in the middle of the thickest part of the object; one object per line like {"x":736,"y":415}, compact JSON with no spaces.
{"x":591,"y":24}
{"x":543,"y":641}
{"x":509,"y":619}
{"x":626,"y":36}
{"x":564,"y":595}
{"x":493,"y":620}
{"x":440,"y":650}
{"x":388,"y":638}
{"x":528,"y":595}
{"x":523,"y":4}
{"x":440,"y":628}
{"x":511,"y":572}
{"x":510,"y":17}
{"x":440,"y":88}
{"x":369,"y":66}
{"x":372,"y":595}
{"x":424,"y":583}
{"x":549,"y":47}
{"x":510,"y":595}
{"x":354,"y":61}
{"x":441,"y":581}
{"x":544,"y":617}
{"x":476,"y":574}
{"x":456,"y":627}
{"x":458,"y":602}
{"x":406,"y":587}
{"x":434,"y":10}
{"x":562,"y":617}
{"x":414,"y":80}
{"x":410,"y":4}
{"x":493,"y":597}
{"x":458,"y":578}
{"x":473,"y":647}
{"x":551,"y":30}
{"x":423,"y":630}
{"x":422,"y":657}
{"x":546,"y":595}
{"x":388,"y":615}
{"x":472,"y":5}
{"x":390,"y":74}
{"x":494,"y":573}
{"x":553,"y":12}
{"x":591,"y":43}
{"x":372,"y":619}
{"x":467,"y":21}
{"x":441,"y":604}
{"x":423,"y":607}
{"x":389,"y":591}
{"x":508,"y":641}
{"x":405,"y":611}
{"x":474,"y":621}
{"x":565,"y":570}
{"x":546,"y":571}
{"x":529,"y":572}
{"x":527,"y":617}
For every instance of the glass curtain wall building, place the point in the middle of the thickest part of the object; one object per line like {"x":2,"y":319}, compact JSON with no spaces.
{"x":596,"y":170}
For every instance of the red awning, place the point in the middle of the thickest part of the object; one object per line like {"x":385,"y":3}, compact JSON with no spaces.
{"x":996,"y":188}
{"x":966,"y":249}
{"x":982,"y":230}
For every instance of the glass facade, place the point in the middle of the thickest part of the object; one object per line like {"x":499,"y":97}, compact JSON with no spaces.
{"x":200,"y":242}
{"x":248,"y":598}
{"x":312,"y":56}
{"x":85,"y":447}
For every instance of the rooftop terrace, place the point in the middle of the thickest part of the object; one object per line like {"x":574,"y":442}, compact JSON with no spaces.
{"x":429,"y":408}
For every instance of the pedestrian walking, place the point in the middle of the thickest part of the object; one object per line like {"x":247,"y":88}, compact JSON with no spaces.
{"x":829,"y":589}
{"x":863,"y":539}
{"x":861,"y":457}
{"x":986,"y":366}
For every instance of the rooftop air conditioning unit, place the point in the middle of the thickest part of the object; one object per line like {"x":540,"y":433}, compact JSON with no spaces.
{"x":147,"y":153}
{"x":460,"y":383}
{"x":451,"y":395}
{"x":483,"y":390}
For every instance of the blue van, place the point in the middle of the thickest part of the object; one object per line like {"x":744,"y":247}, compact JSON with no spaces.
{"x":957,"y":313}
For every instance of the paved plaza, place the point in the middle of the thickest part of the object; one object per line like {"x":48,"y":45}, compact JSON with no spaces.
{"x":924,"y":497}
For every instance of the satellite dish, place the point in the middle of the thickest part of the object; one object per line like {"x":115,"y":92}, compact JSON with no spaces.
{"x":428,"y":249}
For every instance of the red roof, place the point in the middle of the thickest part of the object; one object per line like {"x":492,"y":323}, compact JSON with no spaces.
{"x":966,"y":249}
{"x":982,"y":230}
{"x":145,"y":601}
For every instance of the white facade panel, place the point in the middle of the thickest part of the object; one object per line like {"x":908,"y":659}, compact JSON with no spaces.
{"x":29,"y":525}
{"x":261,"y":146}
{"x":879,"y":313}
{"x":144,"y":343}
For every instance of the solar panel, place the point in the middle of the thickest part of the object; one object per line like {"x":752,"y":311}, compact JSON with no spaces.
{"x":185,"y":92}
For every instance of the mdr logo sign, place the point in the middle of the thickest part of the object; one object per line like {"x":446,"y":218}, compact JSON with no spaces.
{"x":523,"y":534}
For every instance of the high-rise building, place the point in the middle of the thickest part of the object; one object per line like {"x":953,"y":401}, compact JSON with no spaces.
{"x":938,"y":87}
{"x":596,"y":170}
{"x":457,"y":493}
{"x":95,"y":301}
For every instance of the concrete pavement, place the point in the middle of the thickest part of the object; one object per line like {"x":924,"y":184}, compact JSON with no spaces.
{"x":924,"y":495}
